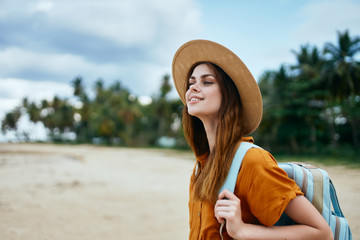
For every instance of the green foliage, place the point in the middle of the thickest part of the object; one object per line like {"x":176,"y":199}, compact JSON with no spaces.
{"x":313,"y":106}
{"x":113,"y":116}
{"x":310,"y":107}
{"x":10,"y":120}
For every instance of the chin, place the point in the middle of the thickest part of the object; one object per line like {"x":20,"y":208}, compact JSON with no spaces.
{"x":194,"y":113}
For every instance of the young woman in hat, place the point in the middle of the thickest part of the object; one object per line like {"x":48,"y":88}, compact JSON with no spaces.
{"x":222,"y":106}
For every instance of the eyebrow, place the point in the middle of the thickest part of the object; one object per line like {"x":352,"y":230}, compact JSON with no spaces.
{"x":204,"y":76}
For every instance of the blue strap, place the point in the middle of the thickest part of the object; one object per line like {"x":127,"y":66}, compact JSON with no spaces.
{"x":231,"y":178}
{"x":335,"y":201}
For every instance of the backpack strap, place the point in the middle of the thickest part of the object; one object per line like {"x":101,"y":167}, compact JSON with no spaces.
{"x":231,"y":178}
{"x":335,"y":201}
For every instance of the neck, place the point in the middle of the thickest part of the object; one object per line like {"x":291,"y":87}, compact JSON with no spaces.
{"x":210,"y":129}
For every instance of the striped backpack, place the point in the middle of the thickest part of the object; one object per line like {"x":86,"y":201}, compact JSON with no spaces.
{"x":313,"y":182}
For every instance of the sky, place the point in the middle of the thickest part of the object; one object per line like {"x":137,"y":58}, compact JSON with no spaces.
{"x":45,"y":44}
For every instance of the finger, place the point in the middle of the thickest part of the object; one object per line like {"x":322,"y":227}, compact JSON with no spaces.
{"x":223,"y":207}
{"x":232,"y":207}
{"x":223,"y":202}
{"x":221,"y":214}
{"x":227,"y":195}
{"x":219,"y":218}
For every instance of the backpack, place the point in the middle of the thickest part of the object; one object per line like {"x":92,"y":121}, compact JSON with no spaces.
{"x":313,"y":182}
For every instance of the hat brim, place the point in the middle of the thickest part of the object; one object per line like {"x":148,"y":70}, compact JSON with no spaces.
{"x":196,"y":51}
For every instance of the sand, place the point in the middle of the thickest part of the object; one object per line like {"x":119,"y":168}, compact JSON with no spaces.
{"x":50,"y":192}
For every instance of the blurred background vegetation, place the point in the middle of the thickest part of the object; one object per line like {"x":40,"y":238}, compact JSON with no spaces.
{"x":310,"y":107}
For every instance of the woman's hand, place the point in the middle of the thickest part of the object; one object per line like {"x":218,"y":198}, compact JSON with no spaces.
{"x":228,"y":208}
{"x":311,"y":225}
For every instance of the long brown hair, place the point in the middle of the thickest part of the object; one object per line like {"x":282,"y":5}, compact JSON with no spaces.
{"x":209,"y":179}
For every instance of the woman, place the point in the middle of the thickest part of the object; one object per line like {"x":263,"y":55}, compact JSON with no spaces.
{"x":222,"y":106}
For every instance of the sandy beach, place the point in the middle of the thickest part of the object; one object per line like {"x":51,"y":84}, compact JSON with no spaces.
{"x":57,"y":192}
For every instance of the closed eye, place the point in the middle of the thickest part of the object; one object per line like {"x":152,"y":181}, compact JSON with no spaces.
{"x":191,"y":82}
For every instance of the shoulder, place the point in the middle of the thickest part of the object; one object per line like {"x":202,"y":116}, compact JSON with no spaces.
{"x":260,"y":164}
{"x":257,"y":154}
{"x":256,"y":157}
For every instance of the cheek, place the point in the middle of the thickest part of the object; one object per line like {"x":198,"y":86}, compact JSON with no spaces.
{"x":187,"y":93}
{"x":217,"y":97}
{"x":217,"y":104}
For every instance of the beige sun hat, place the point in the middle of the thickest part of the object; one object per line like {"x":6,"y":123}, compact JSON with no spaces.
{"x":196,"y":51}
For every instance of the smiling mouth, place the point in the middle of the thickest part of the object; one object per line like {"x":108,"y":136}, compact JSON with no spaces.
{"x":195,"y":99}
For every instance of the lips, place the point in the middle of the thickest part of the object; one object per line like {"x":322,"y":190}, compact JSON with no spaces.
{"x":195,"y":99}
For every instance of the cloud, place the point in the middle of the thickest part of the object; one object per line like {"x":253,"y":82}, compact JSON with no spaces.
{"x":45,"y":44}
{"x":13,"y":90}
{"x":323,"y":18}
{"x":57,"y":67}
{"x":99,"y":26}
{"x":34,"y":131}
{"x":58,"y":40}
{"x":309,"y":22}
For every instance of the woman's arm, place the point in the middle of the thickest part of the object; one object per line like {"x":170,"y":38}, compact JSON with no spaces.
{"x":311,"y":225}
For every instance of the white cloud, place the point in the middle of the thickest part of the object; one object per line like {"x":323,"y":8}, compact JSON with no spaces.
{"x":42,"y":6}
{"x":315,"y":22}
{"x":17,"y":88}
{"x":324,"y":18}
{"x":55,"y":66}
{"x":34,"y":131}
{"x":130,"y":40}
{"x":128,"y":22}
{"x":7,"y":104}
{"x":14,"y":90}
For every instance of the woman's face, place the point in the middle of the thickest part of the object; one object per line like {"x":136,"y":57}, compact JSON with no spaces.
{"x":203,"y":98}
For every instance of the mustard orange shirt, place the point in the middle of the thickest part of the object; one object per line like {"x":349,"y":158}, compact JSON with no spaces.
{"x":262,"y":187}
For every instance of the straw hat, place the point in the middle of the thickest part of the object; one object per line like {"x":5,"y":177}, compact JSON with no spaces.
{"x":197,"y":51}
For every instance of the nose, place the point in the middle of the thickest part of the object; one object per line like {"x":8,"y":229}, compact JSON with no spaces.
{"x":194,"y":87}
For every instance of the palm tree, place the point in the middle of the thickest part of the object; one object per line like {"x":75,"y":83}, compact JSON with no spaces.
{"x":34,"y":111}
{"x":82,"y":127}
{"x":99,"y":91}
{"x":11,"y":119}
{"x":343,"y":78}
{"x":310,"y":91}
{"x":281,"y":121}
{"x":78,"y":87}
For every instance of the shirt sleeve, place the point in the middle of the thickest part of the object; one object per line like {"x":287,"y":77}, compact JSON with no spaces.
{"x":268,"y":188}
